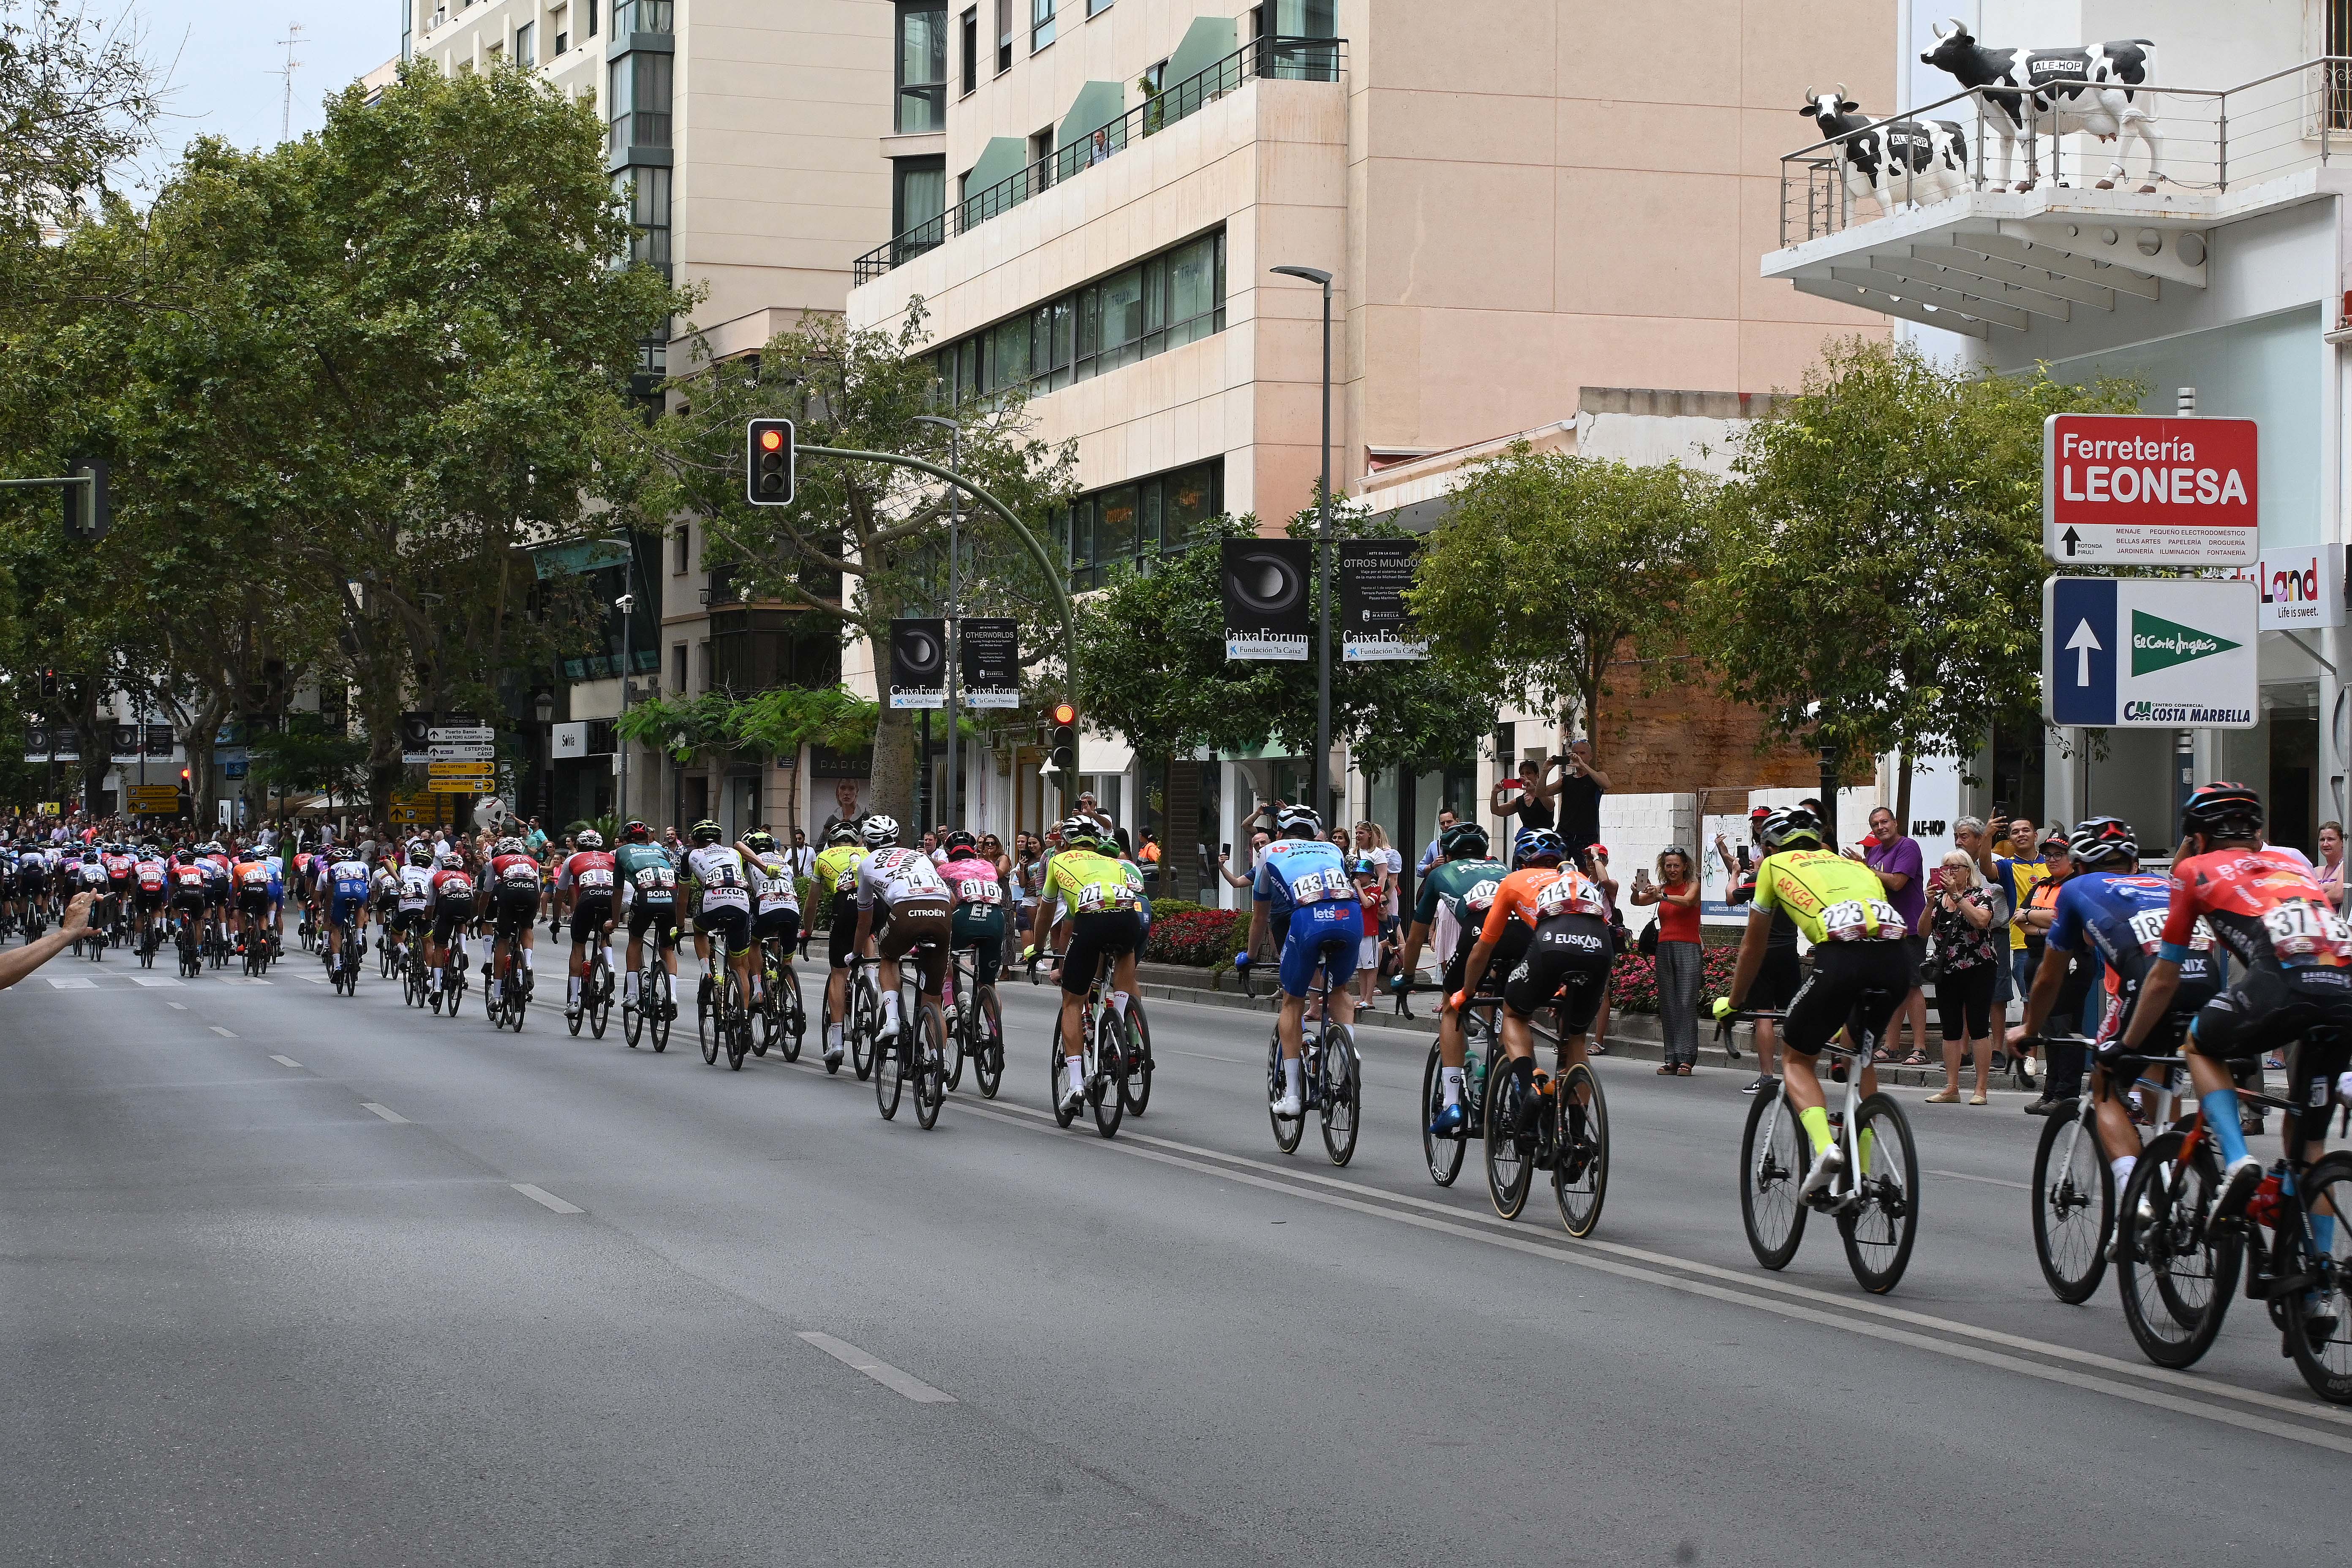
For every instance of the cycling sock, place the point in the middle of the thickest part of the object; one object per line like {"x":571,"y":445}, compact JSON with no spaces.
{"x":1294,"y":1075}
{"x":526,"y":959}
{"x":1451,"y":1078}
{"x":1119,"y":1003}
{"x":2122,"y":1167}
{"x":1077,"y":1067}
{"x":832,"y":1033}
{"x":1865,"y":1144}
{"x":2323,"y":1234}
{"x":572,"y":989}
{"x":2221,"y":1120}
{"x":629,"y":986}
{"x":1816,"y":1123}
{"x":890,"y":1013}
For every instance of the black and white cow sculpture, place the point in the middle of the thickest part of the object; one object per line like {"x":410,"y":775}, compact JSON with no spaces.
{"x":1918,"y":160}
{"x":2107,"y":98}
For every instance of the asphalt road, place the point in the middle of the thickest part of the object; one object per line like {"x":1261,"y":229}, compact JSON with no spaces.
{"x":287,"y":1276}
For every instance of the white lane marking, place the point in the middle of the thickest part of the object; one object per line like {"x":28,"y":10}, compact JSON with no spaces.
{"x":546,"y":1199}
{"x":158,"y":982}
{"x":387,"y":1113}
{"x":1988,"y":1180}
{"x":881,"y":1372}
{"x":285,"y":1061}
{"x":177,"y":1006}
{"x":224,"y":1034}
{"x":70,"y":982}
{"x":313,"y":979}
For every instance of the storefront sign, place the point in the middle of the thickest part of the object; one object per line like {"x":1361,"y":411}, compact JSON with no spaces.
{"x":2146,"y":491}
{"x":2149,"y":653}
{"x":570,"y":740}
{"x":1373,"y":575}
{"x":1266,"y":599}
{"x":989,"y":649}
{"x":919,"y":662}
{"x":2298,"y":589}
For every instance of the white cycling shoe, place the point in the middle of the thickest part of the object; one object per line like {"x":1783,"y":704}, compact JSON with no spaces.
{"x":1827,"y":1168}
{"x":1289,"y":1105}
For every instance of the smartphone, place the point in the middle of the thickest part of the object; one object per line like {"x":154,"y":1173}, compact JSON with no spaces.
{"x":1224,"y":849}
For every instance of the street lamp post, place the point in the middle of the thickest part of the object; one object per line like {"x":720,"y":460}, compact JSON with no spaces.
{"x":1322,"y":769}
{"x":626,"y":604}
{"x":955,"y":611}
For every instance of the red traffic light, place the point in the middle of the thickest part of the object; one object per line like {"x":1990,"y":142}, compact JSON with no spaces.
{"x":1064,"y":714}
{"x":184,"y":775}
{"x":771,"y":439}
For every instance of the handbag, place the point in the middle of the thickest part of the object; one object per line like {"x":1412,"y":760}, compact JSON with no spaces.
{"x":1646,"y":944}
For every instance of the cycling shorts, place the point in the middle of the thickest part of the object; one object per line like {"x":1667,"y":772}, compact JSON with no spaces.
{"x":2267,"y":1008}
{"x":1778,"y":980}
{"x":34,"y":881}
{"x":1512,"y":948}
{"x":1322,"y":936}
{"x":661,"y":918}
{"x":512,"y":911}
{"x":1109,"y":935}
{"x":1569,"y":952}
{"x":254,"y":904}
{"x":1847,"y":975}
{"x":729,"y":925}
{"x":344,"y":908}
{"x":912,"y":923}
{"x":449,"y":919}
{"x":150,"y":899}
{"x":784,"y":924}
{"x":840,"y":943}
{"x":589,"y":916}
{"x":189,"y":899}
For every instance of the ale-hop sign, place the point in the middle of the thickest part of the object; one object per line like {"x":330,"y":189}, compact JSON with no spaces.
{"x":2145,"y":490}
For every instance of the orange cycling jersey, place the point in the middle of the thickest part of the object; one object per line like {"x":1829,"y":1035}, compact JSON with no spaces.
{"x":2261,"y":904}
{"x":1536,"y":893}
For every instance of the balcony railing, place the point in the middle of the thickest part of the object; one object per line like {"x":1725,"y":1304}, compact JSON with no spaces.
{"x":2212,"y":139}
{"x":1282,"y":59}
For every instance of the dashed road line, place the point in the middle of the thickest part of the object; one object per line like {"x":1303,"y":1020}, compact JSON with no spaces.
{"x":881,"y":1372}
{"x":546,"y":1199}
{"x":1986,"y":1181}
{"x":224,"y":1034}
{"x":387,"y":1113}
{"x":285,"y":1061}
{"x":177,"y":1006}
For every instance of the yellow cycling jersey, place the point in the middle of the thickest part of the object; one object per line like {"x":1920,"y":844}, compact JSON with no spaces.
{"x":1090,"y":884}
{"x":1830,"y":897}
{"x":835,"y":875}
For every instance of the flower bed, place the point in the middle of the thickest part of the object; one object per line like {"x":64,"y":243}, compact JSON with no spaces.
{"x":1182,"y":933}
{"x":1634,"y":980}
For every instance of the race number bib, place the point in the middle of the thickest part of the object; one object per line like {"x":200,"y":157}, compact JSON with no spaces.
{"x":1315,"y":885}
{"x":656,"y":883}
{"x":1481,"y":894}
{"x":1098,"y":898}
{"x":978,"y":890}
{"x":1859,"y":919}
{"x":1563,"y":898}
{"x":596,"y":880}
{"x":2302,"y":930}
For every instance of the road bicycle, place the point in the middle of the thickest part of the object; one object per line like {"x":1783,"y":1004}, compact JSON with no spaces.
{"x":649,"y":1013}
{"x":1331,"y":1079}
{"x":1105,"y":1052}
{"x":453,"y":993}
{"x":979,"y":1033}
{"x":595,"y":1007}
{"x":784,"y":1020}
{"x":917,"y":1052}
{"x":1445,"y":1154}
{"x":865,"y":1005}
{"x":1874,"y":1201}
{"x":150,"y":940}
{"x":191,"y":944}
{"x":2178,"y":1261}
{"x":506,"y":989}
{"x":344,"y":969}
{"x":722,"y":1016}
{"x":1560,"y":1123}
{"x":2073,"y":1193}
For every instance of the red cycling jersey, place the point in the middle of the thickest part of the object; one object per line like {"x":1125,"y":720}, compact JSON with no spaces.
{"x":449,"y":882}
{"x":591,"y":871}
{"x":2262,"y":905}
{"x":515,"y":873}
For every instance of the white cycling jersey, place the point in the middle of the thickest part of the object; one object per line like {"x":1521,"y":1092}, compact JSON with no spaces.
{"x":726,"y":883}
{"x":416,"y":886}
{"x":773,"y":876}
{"x":896,"y":875}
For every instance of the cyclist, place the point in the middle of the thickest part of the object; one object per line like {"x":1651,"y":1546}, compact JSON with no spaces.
{"x":121,"y":882}
{"x":91,"y":876}
{"x":514,"y":881}
{"x":150,"y":879}
{"x":724,"y":910}
{"x":976,"y":918}
{"x":1568,"y":945}
{"x":1464,"y":886}
{"x":449,"y":908}
{"x":220,"y":881}
{"x":1840,"y":906}
{"x":775,"y":901}
{"x":1304,"y":890}
{"x":2295,"y":953}
{"x":912,"y":901}
{"x":343,"y":884}
{"x":649,"y":893}
{"x":837,"y":883}
{"x":32,"y":881}
{"x":2109,"y":907}
{"x":191,"y":889}
{"x":587,"y":876}
{"x":1104,"y":908}
{"x":251,"y":918}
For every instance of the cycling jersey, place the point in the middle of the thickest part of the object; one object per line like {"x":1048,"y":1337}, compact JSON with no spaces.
{"x":898,"y":876}
{"x":416,"y":886}
{"x":1830,"y":897}
{"x":721,"y":872}
{"x":1089,"y":883}
{"x":973,"y":881}
{"x":1296,"y":872}
{"x":515,"y":876}
{"x":191,"y":878}
{"x":94,"y":874}
{"x":150,"y":874}
{"x":117,"y":867}
{"x":772,"y":884}
{"x":2261,"y":904}
{"x":2123,"y":917}
{"x":1466,"y":887}
{"x":837,"y":874}
{"x":1536,"y":894}
{"x":451,"y":885}
{"x":646,"y":871}
{"x":589,"y":871}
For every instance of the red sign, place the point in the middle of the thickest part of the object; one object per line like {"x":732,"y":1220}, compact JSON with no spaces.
{"x":2149,"y":490}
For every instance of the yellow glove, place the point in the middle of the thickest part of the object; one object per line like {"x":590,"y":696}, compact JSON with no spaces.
{"x":1723,"y":1007}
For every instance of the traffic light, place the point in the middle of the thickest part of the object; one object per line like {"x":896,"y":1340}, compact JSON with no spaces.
{"x":185,"y":776}
{"x":90,"y":510}
{"x":1062,"y":744}
{"x":768,"y":462}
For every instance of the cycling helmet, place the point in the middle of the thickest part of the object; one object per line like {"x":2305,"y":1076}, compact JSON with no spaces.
{"x":1082,"y":833}
{"x":959,"y":843}
{"x":451,"y":860}
{"x":419,"y":856}
{"x":1298,"y":822}
{"x":635,"y":833}
{"x":589,"y":838}
{"x":1781,"y":830}
{"x":2103,"y":841}
{"x":2223,"y":811}
{"x":1463,"y":841}
{"x":759,"y":841}
{"x":511,"y":846}
{"x":1540,"y":845}
{"x":841,"y":833}
{"x":704,"y":832}
{"x":881,"y":831}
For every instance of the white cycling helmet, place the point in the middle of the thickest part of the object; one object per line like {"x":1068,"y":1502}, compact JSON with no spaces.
{"x":880,"y":831}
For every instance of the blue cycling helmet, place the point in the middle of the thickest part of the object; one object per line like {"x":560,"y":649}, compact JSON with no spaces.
{"x":1539,"y":845}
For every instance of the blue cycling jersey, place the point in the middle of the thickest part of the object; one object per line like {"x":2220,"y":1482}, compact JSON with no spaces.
{"x":2122,"y":916}
{"x":351,"y":878}
{"x":1297,"y":872}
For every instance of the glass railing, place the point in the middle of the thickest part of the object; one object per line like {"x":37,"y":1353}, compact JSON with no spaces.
{"x":643,"y":17}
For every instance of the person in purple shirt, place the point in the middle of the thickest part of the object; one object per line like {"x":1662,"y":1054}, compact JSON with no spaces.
{"x":1895,"y":857}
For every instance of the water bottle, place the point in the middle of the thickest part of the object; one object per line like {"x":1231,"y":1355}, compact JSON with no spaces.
{"x":1474,"y":1074}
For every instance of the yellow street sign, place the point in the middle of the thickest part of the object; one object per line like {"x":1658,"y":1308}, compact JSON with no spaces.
{"x":154,"y":800}
{"x":457,"y":787}
{"x":459,"y":770}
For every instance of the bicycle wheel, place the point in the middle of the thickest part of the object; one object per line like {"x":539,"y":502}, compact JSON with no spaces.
{"x":598,"y":995}
{"x":1579,"y":1177}
{"x":865,"y":1015}
{"x":633,"y":1015}
{"x":988,"y":1045}
{"x":2176,"y":1270}
{"x":734,"y":1021}
{"x":1105,"y":1090}
{"x":2073,"y":1204}
{"x":889,"y":1073}
{"x":930,"y":1065}
{"x":1057,"y":1077}
{"x":517,"y":999}
{"x":1343,"y":1095}
{"x":1879,"y":1233}
{"x":1135,"y":1088}
{"x":707,"y":1025}
{"x":2317,"y":1332}
{"x":1510,"y":1162}
{"x":954,"y":1049}
{"x":793,"y":1021}
{"x":657,"y":1003}
{"x":1288,"y":1129}
{"x":1443,"y":1154}
{"x":1773,"y":1156}
{"x":576,"y":1013}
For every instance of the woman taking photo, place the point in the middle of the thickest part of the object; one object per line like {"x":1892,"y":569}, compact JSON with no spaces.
{"x":1964,"y":947}
{"x":1675,"y":893}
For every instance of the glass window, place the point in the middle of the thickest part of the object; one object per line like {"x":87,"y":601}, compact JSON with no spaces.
{"x":1040,"y":23}
{"x":1192,"y":280}
{"x":1164,"y":303}
{"x":1193,"y":499}
{"x":1009,"y":361}
{"x":592,"y":23}
{"x":1003,"y":36}
{"x":640,"y":86}
{"x":923,"y":67}
{"x":919,"y":198}
{"x":1115,"y":525}
{"x":972,"y":49}
{"x":1122,"y":308}
{"x":525,"y":46}
{"x":1306,"y":18}
{"x":648,"y":189}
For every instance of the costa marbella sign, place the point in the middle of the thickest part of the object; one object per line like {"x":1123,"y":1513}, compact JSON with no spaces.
{"x":2135,"y":489}
{"x":2149,"y":653}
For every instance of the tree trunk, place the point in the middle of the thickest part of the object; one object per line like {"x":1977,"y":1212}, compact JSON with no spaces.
{"x":894,"y":767}
{"x":1903,"y":794}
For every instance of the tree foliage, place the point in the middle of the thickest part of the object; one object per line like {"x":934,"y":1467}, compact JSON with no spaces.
{"x":775,"y":723}
{"x":1879,"y":561}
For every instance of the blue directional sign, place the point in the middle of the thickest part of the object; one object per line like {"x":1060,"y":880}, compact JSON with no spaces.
{"x":2079,"y":627}
{"x":2149,"y":653}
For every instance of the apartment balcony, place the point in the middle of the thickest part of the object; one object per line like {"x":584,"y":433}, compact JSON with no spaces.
{"x":2041,"y":240}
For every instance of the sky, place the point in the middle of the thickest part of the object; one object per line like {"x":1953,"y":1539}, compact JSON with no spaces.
{"x":224,"y":62}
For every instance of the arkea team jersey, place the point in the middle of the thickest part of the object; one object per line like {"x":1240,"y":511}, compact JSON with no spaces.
{"x":2122,"y":916}
{"x":726,"y":883}
{"x":1465,"y":887}
{"x":1297,"y":872}
{"x":1538,"y":893}
{"x":2261,"y":904}
{"x":898,"y":875}
{"x":1830,"y":897}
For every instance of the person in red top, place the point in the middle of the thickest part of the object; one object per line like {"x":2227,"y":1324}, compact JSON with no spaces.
{"x":514,"y":879}
{"x":1566,"y":915}
{"x":587,"y":876}
{"x":2295,"y":957}
{"x":450,"y":903}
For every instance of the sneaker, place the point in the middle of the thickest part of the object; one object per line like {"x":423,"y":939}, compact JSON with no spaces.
{"x":1288,"y":1106}
{"x":2045,"y":1105}
{"x":1827,"y":1168}
{"x":1450,"y":1123}
{"x":1764,"y":1080}
{"x":2238,"y":1185}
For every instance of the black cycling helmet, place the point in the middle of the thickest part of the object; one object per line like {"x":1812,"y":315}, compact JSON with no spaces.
{"x":1779,"y":830}
{"x":1464,"y":841}
{"x":704,"y":832}
{"x":1540,"y":846}
{"x":2223,"y":811}
{"x":635,"y":832}
{"x":2103,"y":841}
{"x":959,"y":843}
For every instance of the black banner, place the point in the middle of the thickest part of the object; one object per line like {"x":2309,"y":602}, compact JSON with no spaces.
{"x":919,"y":662}
{"x":989,"y":650}
{"x":413,"y":736}
{"x":1373,"y":575}
{"x":1267,"y":602}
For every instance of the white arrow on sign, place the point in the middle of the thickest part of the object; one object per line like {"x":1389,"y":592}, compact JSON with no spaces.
{"x":2083,"y":644}
{"x":460,"y":753}
{"x":468,"y":734}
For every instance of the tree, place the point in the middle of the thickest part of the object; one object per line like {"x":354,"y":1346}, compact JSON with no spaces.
{"x":1878,"y":568}
{"x":863,"y":542}
{"x":76,"y":100}
{"x":1549,"y":567}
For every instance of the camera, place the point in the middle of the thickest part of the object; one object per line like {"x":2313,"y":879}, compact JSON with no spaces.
{"x":625,"y":603}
